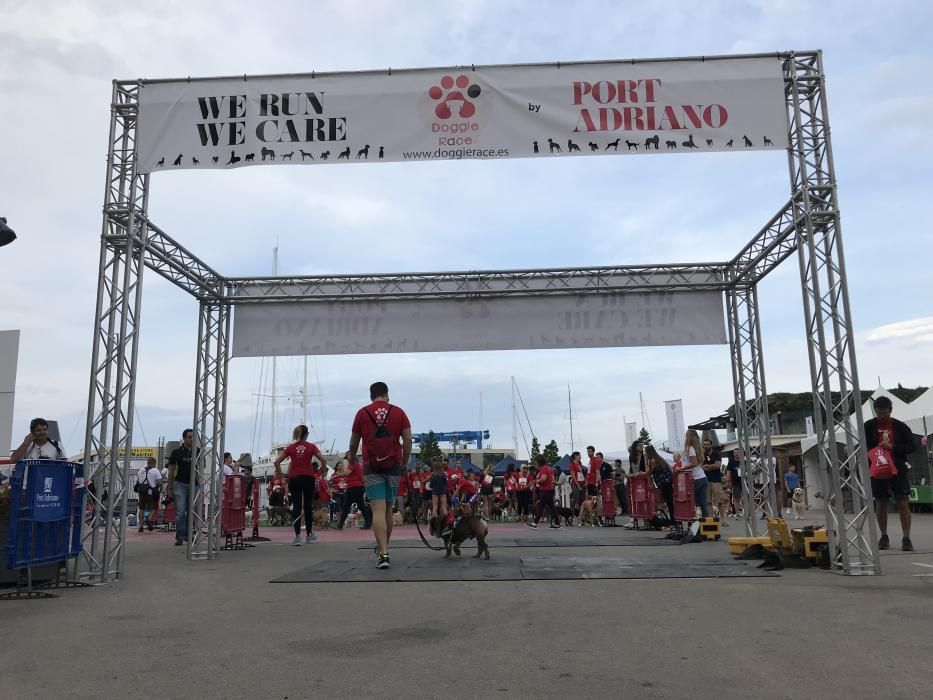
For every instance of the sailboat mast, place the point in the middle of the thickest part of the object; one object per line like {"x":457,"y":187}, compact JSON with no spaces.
{"x":570,"y":413}
{"x":641,"y":401}
{"x":514,"y":420}
{"x":304,"y":395}
{"x":480,"y":445}
{"x":275,"y":271}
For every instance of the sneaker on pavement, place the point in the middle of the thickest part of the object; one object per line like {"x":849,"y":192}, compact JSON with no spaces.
{"x":383,"y":562}
{"x":532,"y":525}
{"x":555,"y":526}
{"x":310,"y":538}
{"x":178,"y":542}
{"x":297,"y":541}
{"x":907,"y":545}
{"x":884,"y":542}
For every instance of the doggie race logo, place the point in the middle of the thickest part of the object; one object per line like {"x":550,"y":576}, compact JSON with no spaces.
{"x":732,"y":104}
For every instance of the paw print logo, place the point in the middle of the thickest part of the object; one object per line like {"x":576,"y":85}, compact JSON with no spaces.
{"x":451,"y":99}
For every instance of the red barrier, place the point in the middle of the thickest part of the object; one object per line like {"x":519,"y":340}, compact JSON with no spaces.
{"x":233,"y":508}
{"x":684,"y":505}
{"x":607,"y":493}
{"x":641,"y":500}
{"x":255,"y":536}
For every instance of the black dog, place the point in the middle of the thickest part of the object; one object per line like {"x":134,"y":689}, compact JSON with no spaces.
{"x":566,"y":514}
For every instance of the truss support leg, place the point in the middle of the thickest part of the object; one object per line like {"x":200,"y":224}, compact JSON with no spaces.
{"x":210,"y":404}
{"x":837,"y":409}
{"x":111,"y":396}
{"x":752,"y":420}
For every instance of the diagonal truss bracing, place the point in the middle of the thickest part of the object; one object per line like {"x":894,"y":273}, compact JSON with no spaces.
{"x":705,"y":276}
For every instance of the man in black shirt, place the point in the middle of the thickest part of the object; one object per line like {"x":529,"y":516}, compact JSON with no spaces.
{"x":898,"y":439}
{"x":181,"y":463}
{"x":712,"y":465}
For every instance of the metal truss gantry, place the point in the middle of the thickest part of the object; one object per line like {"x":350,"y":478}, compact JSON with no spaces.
{"x":808,"y":224}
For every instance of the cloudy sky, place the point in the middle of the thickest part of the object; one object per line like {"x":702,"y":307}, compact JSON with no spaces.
{"x":56,"y":63}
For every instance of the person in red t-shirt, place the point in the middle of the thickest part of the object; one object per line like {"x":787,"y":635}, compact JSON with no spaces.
{"x":323,"y":496}
{"x":300,"y":479}
{"x":377,"y":426}
{"x":511,"y":484}
{"x":352,"y":473}
{"x":523,"y":493}
{"x":276,"y":491}
{"x":466,"y":489}
{"x":545,"y":483}
{"x":592,"y":476}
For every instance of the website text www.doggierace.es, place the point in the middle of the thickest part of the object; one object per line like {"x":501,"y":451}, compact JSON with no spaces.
{"x":456,"y":153}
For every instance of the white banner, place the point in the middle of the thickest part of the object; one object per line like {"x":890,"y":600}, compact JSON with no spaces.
{"x":808,"y":423}
{"x":498,"y":323}
{"x":631,"y":433}
{"x":675,"y":424}
{"x":516,"y":111}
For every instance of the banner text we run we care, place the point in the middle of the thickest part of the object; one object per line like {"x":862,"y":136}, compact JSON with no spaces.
{"x":296,"y":117}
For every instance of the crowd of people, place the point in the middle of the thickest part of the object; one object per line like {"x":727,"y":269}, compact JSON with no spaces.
{"x":372,"y":483}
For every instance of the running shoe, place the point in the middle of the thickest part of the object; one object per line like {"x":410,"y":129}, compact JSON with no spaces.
{"x":884,"y":542}
{"x":532,"y":525}
{"x":297,"y":541}
{"x":555,"y":526}
{"x":907,"y":545}
{"x":383,"y":562}
{"x":310,"y":538}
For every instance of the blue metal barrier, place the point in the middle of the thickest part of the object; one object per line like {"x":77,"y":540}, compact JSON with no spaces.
{"x":46,"y":498}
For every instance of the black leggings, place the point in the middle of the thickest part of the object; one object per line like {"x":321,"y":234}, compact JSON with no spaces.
{"x":546,"y":502}
{"x":355,"y":495}
{"x":301,"y":491}
{"x":524,"y":501}
{"x":667,"y":493}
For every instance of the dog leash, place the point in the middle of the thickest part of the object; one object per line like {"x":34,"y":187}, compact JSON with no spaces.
{"x":426,"y":543}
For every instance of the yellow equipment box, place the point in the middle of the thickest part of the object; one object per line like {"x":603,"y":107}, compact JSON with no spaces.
{"x":806,"y":544}
{"x":709,"y":529}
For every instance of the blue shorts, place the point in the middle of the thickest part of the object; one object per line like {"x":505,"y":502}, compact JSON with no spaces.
{"x":379,"y":486}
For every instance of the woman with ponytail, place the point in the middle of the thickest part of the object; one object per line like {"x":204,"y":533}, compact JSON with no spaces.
{"x":301,"y":479}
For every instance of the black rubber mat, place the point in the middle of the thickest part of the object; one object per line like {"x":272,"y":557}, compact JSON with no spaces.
{"x":516,"y":569}
{"x":637,"y":541}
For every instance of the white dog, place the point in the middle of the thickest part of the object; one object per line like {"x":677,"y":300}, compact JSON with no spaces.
{"x":797,"y":503}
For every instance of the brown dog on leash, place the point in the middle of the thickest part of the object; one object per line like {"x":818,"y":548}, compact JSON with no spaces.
{"x":468,"y":527}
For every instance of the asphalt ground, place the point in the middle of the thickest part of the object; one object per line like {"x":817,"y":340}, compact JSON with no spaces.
{"x":177,"y":629}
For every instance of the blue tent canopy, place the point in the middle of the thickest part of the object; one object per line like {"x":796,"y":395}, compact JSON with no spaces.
{"x":564,"y":464}
{"x":467,"y":465}
{"x":499,"y":469}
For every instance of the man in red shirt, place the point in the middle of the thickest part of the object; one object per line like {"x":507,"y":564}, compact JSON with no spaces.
{"x":385,"y":432}
{"x":592,"y":476}
{"x":545,"y":483}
